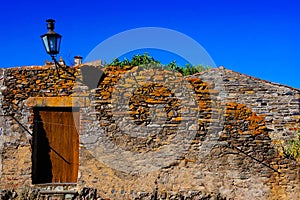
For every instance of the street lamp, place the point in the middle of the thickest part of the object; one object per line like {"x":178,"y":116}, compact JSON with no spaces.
{"x":51,"y":39}
{"x":91,"y":76}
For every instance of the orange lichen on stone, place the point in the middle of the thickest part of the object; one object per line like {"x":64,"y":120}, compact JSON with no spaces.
{"x":242,"y":116}
{"x":194,"y":80}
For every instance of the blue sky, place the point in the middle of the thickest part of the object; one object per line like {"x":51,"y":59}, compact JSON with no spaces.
{"x":258,"y":38}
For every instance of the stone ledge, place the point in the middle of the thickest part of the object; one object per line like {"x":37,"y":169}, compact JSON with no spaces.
{"x":57,"y":102}
{"x":58,"y":192}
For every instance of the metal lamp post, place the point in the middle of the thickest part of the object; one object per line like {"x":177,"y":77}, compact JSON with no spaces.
{"x":51,"y":39}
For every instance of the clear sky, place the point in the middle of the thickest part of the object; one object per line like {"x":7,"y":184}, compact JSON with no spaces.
{"x":258,"y":38}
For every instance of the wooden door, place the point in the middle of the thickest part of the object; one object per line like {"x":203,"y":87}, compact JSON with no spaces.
{"x":56,"y":145}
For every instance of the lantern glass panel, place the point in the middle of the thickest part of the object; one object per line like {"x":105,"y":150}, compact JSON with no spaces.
{"x":45,"y":41}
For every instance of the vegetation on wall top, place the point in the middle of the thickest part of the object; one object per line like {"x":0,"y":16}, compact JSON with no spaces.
{"x":147,"y":60}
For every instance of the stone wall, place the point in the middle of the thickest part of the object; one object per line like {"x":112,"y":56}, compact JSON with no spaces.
{"x":17,"y":86}
{"x":153,"y":134}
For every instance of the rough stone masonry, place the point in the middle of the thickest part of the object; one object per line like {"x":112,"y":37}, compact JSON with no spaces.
{"x":144,"y":134}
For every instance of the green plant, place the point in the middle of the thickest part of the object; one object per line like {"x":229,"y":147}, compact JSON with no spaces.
{"x":189,"y":69}
{"x":136,"y":60}
{"x":292,"y":149}
{"x":146,"y":60}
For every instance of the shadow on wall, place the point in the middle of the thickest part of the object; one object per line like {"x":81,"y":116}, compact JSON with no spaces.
{"x":41,"y":162}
